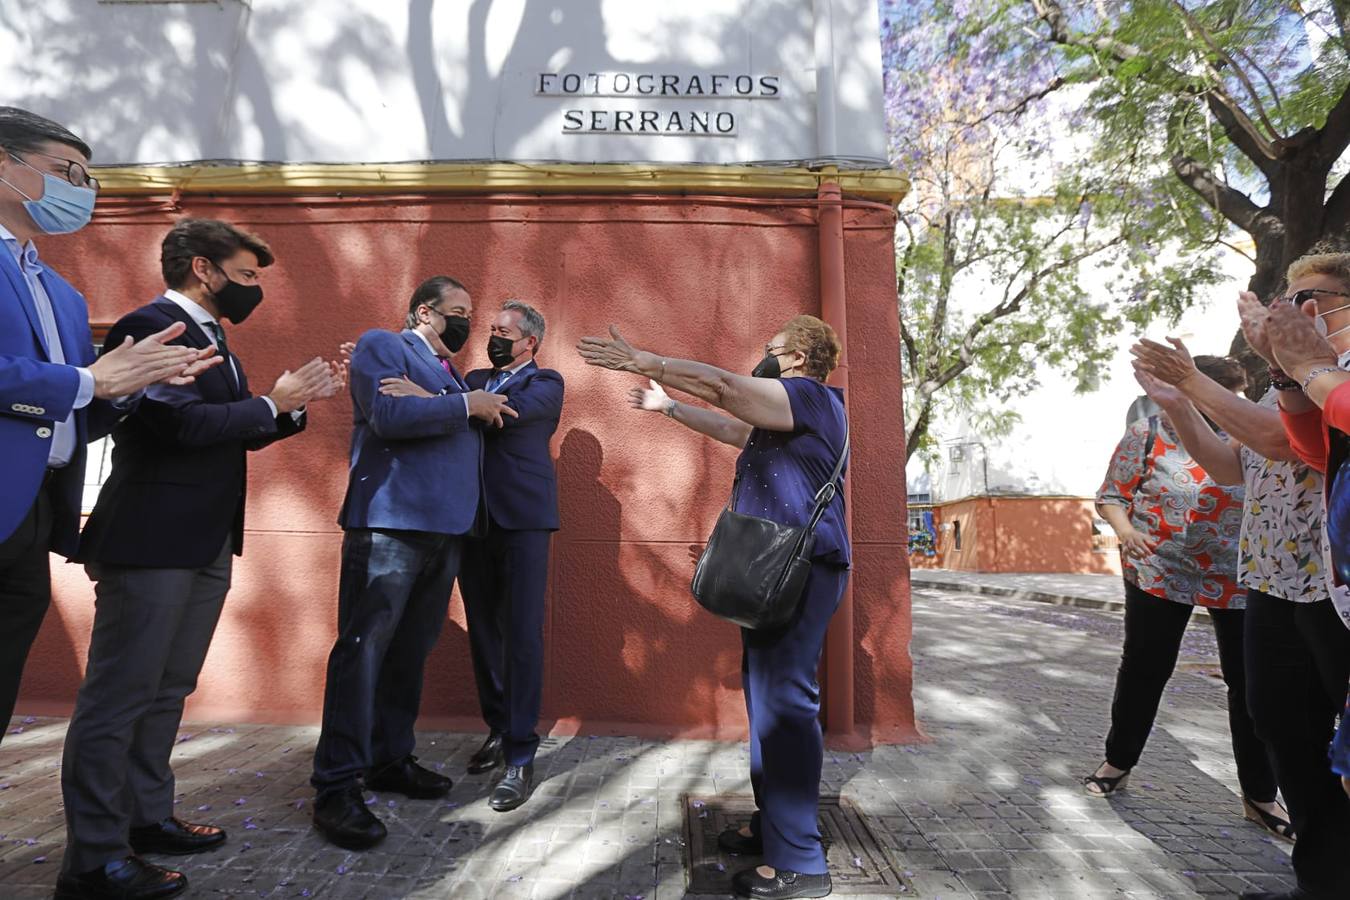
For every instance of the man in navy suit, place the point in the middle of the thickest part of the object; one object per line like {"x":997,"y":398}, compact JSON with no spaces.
{"x":54,"y":396}
{"x":412,"y":495}
{"x":159,"y":545}
{"x":505,"y":571}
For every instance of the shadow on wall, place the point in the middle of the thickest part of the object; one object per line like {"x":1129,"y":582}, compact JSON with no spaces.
{"x":207,"y":81}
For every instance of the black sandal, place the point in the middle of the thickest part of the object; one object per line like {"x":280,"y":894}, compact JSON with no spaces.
{"x":1105,"y":786}
{"x":1281,"y":828}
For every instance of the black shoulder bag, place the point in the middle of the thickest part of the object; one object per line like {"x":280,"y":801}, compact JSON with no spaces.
{"x":753,"y":570}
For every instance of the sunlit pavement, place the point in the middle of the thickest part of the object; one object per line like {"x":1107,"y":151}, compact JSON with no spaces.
{"x":1013,"y":694}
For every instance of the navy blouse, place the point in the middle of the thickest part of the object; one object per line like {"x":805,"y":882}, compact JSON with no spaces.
{"x":781,"y":471}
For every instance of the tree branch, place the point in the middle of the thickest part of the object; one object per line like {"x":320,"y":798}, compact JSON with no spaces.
{"x":1231,"y":203}
{"x":1052,"y":14}
{"x":1242,"y":78}
{"x":1334,"y":135}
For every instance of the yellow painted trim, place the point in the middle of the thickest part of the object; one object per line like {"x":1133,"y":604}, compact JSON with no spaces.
{"x":498,"y":177}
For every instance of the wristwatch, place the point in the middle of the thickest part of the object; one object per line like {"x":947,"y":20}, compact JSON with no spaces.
{"x":1282,"y":382}
{"x":1318,"y":373}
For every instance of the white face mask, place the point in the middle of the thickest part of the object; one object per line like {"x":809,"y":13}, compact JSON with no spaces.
{"x":1321,"y":325}
{"x":1344,"y":360}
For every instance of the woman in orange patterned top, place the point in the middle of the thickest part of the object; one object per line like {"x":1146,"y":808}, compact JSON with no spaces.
{"x":1178,"y":534}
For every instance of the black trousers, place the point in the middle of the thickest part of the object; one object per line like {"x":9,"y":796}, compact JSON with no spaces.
{"x":503,"y":579}
{"x":393,"y":593}
{"x":1298,"y":664}
{"x":152,"y":630}
{"x":25,"y":594}
{"x":1153,"y":632}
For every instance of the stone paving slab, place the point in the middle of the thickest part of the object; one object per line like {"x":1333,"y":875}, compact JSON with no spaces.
{"x":1013,"y":695}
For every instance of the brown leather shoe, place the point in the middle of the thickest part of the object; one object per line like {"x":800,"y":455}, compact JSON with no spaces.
{"x":125,"y":879}
{"x":176,"y":838}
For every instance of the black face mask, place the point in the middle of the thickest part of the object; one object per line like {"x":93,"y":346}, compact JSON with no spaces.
{"x":455,"y":332}
{"x":769,"y":367}
{"x":236,"y":301}
{"x":500,"y":351}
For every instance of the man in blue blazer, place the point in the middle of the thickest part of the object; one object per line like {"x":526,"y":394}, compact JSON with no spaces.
{"x":412,"y":496}
{"x":54,"y":395}
{"x":505,"y":571}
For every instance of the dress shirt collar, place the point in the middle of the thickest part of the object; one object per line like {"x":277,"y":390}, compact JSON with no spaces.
{"x":424,"y":340}
{"x":195,"y":310}
{"x":26,"y":255}
{"x":516,"y":368}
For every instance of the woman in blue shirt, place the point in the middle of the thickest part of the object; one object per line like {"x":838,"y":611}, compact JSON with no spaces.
{"x":790,"y":427}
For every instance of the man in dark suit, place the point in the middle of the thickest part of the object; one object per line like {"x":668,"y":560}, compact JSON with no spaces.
{"x":412,"y":495}
{"x":505,"y":571}
{"x":54,"y":396}
{"x":159,"y":544}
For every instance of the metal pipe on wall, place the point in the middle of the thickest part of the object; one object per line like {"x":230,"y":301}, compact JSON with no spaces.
{"x":840,"y":717}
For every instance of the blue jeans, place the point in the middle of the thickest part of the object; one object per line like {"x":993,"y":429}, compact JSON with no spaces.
{"x":393,"y":593}
{"x":782,"y":698}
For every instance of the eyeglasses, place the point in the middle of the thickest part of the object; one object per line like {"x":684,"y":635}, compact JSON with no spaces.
{"x":75,"y":172}
{"x":769,"y":348}
{"x":1298,"y":298}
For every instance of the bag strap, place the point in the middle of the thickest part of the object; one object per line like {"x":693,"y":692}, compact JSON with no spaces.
{"x":1146,"y":463}
{"x":826,"y":494}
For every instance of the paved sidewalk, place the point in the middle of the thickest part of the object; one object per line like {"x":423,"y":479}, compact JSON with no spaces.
{"x":1014,"y":696}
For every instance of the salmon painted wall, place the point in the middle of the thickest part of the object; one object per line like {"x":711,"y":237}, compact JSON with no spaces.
{"x":628,"y":650}
{"x":1021,"y":534}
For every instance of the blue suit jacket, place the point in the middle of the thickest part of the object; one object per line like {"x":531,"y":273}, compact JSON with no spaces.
{"x":179,"y":470}
{"x":520,"y":484}
{"x":415,"y":460}
{"x":35,"y":394}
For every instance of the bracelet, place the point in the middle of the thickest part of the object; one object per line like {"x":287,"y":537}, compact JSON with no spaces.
{"x":669,"y":408}
{"x":1282,"y":382}
{"x":662,"y":376}
{"x":1318,"y":373}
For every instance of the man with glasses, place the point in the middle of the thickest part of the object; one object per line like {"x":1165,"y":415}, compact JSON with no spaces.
{"x":54,"y":395}
{"x":412,"y":496}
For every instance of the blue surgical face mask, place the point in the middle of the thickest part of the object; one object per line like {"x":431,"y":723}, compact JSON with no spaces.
{"x":63,"y":207}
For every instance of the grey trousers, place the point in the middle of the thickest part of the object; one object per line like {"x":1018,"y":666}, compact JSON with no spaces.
{"x":152,"y":628}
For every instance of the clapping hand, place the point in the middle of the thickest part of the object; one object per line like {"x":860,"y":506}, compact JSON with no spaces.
{"x":1159,"y":391}
{"x":315,"y":380}
{"x":652,"y":399}
{"x":1253,"y":315}
{"x":1297,"y":346}
{"x":1170,"y":365}
{"x":131,"y":366}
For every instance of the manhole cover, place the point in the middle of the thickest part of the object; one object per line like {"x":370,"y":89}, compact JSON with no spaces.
{"x":858,"y":862}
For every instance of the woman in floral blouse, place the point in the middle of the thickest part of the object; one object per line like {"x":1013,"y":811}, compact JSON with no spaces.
{"x":1178,"y":534}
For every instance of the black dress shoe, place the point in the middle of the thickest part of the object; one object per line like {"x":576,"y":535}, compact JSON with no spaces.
{"x":406,"y":777}
{"x":176,"y":838}
{"x":126,"y":879}
{"x":512,"y":789}
{"x":781,"y":886}
{"x":489,"y":756}
{"x":733,"y":841}
{"x":344,"y":819}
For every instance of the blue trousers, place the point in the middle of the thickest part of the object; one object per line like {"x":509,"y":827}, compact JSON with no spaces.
{"x":503,"y":579}
{"x":393,"y":593}
{"x":782,"y":699}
